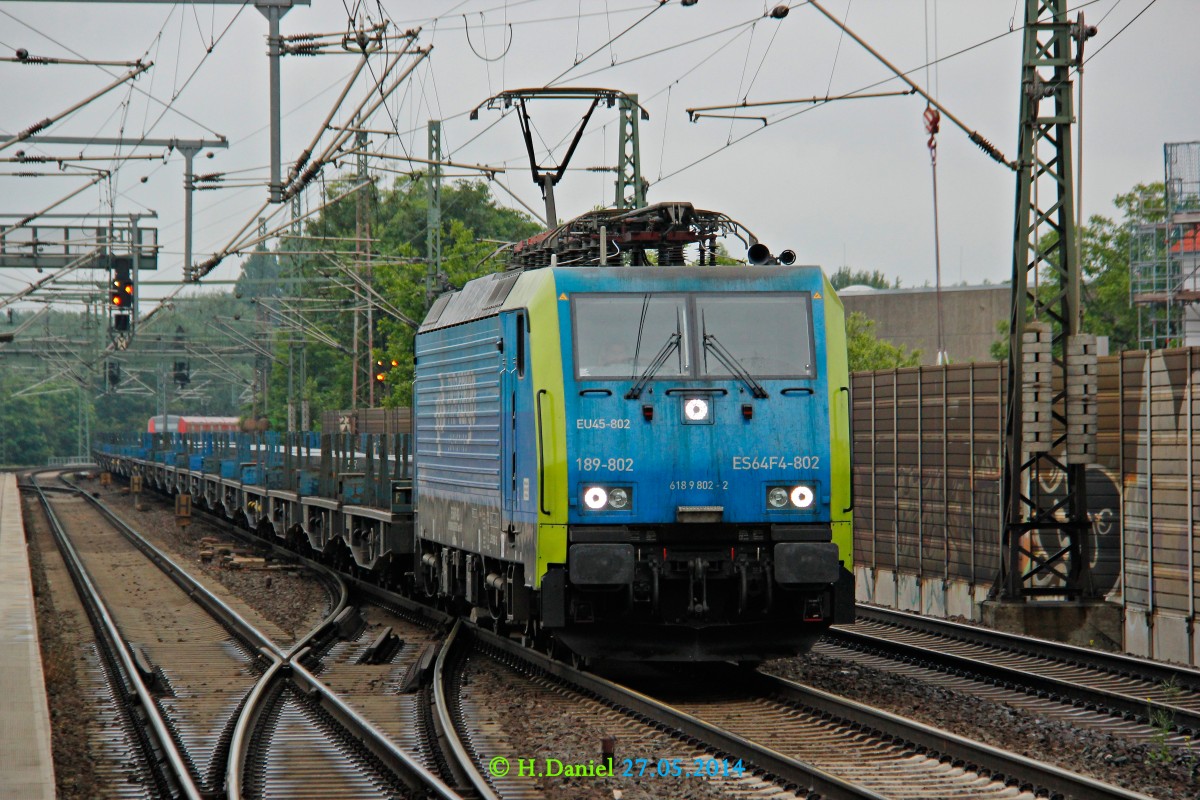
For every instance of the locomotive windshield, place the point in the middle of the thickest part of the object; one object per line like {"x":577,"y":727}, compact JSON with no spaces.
{"x":769,"y":336}
{"x":618,"y":336}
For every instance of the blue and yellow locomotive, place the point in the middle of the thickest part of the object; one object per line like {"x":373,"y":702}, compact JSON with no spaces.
{"x":640,"y":456}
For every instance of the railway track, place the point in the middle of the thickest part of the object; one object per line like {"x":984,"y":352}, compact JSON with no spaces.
{"x":789,"y":738}
{"x":480,"y":678}
{"x":1107,"y":691}
{"x":211,"y":705}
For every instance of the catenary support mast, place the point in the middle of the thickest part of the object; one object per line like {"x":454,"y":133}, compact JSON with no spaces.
{"x":1050,"y":416}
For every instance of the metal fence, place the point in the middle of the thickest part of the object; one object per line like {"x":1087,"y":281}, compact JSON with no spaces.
{"x":70,"y":461}
{"x":927,"y":444}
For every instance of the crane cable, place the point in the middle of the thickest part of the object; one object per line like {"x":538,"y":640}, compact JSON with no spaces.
{"x":933,"y":120}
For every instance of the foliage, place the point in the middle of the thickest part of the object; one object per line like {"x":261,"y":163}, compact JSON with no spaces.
{"x":1105,"y":265}
{"x":260,"y":276}
{"x":473,"y":228}
{"x":33,"y":428}
{"x":867,"y":351}
{"x":846,"y":277}
{"x":999,"y":348}
{"x":1105,"y":269}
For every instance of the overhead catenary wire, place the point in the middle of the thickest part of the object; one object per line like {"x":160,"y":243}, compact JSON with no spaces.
{"x":785,"y":117}
{"x":972,"y":134}
{"x":37,"y":127}
{"x":167,"y":105}
{"x":607,"y":44}
{"x":1123,"y":28}
{"x":838,"y":51}
{"x":668,"y":98}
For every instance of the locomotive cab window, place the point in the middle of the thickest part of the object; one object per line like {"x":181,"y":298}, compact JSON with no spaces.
{"x":769,"y":336}
{"x":619,"y":336}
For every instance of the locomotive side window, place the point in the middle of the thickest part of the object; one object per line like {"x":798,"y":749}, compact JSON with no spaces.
{"x":618,"y":336}
{"x":768,"y":335}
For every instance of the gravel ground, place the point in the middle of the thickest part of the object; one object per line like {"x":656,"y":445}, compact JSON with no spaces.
{"x":1160,"y":771}
{"x":61,"y":632}
{"x":293,"y":600}
{"x":534,"y":719}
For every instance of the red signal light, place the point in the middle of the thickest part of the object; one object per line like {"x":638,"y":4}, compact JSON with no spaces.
{"x":122,"y":291}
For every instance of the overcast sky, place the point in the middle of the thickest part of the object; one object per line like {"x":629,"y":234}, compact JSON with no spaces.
{"x":842,"y":183}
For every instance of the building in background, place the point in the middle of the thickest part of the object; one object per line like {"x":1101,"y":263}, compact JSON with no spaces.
{"x":971,"y":318}
{"x":1164,"y":258}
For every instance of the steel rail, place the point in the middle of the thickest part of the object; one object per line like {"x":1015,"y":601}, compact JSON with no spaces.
{"x":214,"y":605}
{"x":400,"y":762}
{"x":446,"y":718}
{"x":1047,"y":778}
{"x":777,"y":765}
{"x":1118,"y":663}
{"x":288,"y":666}
{"x":107,"y":628}
{"x":786,"y":768}
{"x":239,"y":743}
{"x":253,"y":708}
{"x":1131,"y":706}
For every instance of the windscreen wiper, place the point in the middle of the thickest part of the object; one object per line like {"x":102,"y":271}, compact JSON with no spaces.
{"x":734,"y":366}
{"x":672,"y":342}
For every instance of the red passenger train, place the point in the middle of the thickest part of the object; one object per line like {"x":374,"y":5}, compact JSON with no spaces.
{"x":187,"y":424}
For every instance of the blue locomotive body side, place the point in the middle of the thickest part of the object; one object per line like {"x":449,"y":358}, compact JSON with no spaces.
{"x":475,"y":477}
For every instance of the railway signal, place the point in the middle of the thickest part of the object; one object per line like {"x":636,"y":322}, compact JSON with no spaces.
{"x":121,"y":292}
{"x":380,"y":370}
{"x":382,"y":367}
{"x":122,"y":295}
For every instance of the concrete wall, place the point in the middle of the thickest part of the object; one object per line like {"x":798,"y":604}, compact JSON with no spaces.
{"x":908,"y":317}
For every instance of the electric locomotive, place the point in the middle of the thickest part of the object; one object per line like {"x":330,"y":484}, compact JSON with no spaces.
{"x":635,"y":450}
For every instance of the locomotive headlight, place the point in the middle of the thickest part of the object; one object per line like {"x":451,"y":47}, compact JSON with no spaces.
{"x":801,"y":496}
{"x":608,"y":498}
{"x":696,"y":409}
{"x":777,"y":497}
{"x":618,"y":498}
{"x":595,"y":498}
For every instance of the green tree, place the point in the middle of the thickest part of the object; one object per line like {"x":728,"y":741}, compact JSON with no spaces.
{"x":260,"y":275}
{"x":1104,"y":269}
{"x":474,"y":228}
{"x":847,"y":277}
{"x":1107,"y":310}
{"x":867,"y":351}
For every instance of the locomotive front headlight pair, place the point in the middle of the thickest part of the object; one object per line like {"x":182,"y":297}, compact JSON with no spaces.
{"x":614,"y":498}
{"x":782,"y":497}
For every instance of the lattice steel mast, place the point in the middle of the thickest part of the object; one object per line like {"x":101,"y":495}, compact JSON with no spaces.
{"x":1050,"y":416}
